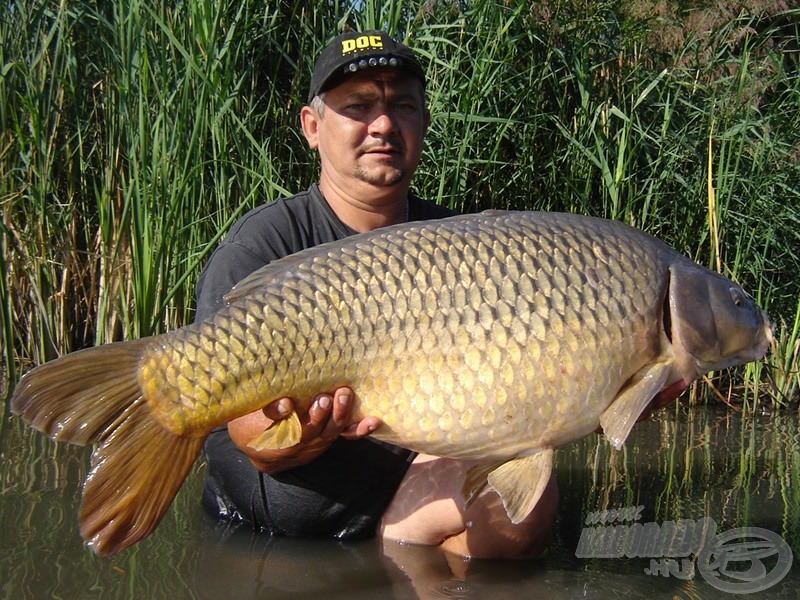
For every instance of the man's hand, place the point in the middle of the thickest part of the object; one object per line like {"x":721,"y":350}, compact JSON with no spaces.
{"x":328,"y":418}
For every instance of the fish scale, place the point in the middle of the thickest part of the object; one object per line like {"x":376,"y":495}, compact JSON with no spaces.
{"x":495,"y":337}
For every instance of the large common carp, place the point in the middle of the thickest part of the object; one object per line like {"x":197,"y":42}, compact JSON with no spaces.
{"x":496,"y":336}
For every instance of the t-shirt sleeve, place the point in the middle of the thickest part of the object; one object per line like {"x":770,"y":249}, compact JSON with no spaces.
{"x":228,"y":265}
{"x":259,"y":237}
{"x":266,"y":233}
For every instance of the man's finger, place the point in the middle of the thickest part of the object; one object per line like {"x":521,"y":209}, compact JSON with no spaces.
{"x":342,"y":407}
{"x":279,"y":409}
{"x":318,"y":416}
{"x":363,"y":428}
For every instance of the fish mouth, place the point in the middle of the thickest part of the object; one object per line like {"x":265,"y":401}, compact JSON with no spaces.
{"x":762,"y":342}
{"x":767,"y":337}
{"x":770,"y":329}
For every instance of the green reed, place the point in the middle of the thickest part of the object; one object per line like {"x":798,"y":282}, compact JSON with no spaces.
{"x":133,"y":134}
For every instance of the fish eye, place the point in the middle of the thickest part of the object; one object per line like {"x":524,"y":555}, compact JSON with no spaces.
{"x":737,"y":296}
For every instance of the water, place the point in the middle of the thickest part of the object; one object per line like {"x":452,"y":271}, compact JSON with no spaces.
{"x":682,"y":464}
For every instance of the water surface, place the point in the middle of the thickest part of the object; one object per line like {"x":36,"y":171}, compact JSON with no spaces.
{"x":683,"y":464}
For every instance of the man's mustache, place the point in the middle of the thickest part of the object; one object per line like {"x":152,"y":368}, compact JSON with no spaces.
{"x":382,"y":146}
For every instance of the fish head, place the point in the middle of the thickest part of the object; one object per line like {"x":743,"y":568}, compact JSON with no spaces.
{"x":712,"y":321}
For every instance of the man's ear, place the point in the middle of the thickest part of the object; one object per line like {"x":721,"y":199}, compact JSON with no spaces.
{"x":426,"y":121}
{"x":309,"y":122}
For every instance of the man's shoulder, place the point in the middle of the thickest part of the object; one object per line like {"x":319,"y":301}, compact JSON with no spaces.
{"x":287,"y":225}
{"x":275,"y":215}
{"x":262,"y":235}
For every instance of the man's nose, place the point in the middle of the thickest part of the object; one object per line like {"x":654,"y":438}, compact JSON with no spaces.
{"x":383,"y":122}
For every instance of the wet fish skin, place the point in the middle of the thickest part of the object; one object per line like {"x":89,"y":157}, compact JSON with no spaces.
{"x":496,"y":336}
{"x":512,"y":328}
{"x":186,"y":374}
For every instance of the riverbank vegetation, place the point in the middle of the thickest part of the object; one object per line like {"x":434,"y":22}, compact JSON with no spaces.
{"x":132,"y":134}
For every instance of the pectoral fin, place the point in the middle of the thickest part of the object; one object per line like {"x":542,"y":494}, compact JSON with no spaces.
{"x":521,"y":482}
{"x":281,"y":434}
{"x":619,"y":418}
{"x":475,"y":481}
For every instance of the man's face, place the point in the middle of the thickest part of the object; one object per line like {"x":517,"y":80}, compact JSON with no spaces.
{"x":371,"y":129}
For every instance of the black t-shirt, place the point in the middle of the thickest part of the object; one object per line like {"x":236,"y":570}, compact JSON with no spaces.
{"x":344,"y":492}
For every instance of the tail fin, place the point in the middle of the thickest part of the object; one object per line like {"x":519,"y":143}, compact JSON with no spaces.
{"x":93,"y":396}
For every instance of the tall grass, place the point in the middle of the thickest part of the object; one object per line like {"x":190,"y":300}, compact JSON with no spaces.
{"x":133,"y":134}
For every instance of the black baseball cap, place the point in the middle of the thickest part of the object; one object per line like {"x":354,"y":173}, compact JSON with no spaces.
{"x":356,"y":50}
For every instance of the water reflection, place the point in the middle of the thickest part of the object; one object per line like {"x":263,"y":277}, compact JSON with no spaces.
{"x":683,"y":464}
{"x":290,"y":568}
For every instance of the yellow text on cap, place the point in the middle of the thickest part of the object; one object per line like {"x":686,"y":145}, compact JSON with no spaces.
{"x":363,"y":42}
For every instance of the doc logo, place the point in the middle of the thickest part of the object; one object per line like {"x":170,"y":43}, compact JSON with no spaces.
{"x":364,"y":42}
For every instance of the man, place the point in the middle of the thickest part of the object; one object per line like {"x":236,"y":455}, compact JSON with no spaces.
{"x":366,"y":116}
